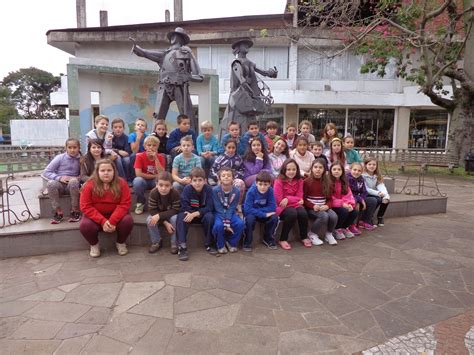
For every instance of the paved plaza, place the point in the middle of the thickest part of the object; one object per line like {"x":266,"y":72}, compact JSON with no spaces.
{"x":394,"y":289}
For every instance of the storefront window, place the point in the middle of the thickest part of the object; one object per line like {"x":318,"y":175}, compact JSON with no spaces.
{"x":273,"y":114}
{"x":320,"y":117}
{"x":371,"y":127}
{"x":428,"y":129}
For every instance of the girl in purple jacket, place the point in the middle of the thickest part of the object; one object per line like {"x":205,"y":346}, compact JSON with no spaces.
{"x":255,"y":160}
{"x":357,"y":186}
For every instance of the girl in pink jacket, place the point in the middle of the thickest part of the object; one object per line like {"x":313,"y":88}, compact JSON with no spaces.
{"x":288,"y":190}
{"x":342,"y":201}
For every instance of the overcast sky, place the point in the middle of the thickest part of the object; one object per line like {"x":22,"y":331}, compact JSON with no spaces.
{"x":24,"y":23}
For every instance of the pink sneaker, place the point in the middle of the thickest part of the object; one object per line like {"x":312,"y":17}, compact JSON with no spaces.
{"x":366,"y":226}
{"x":353,"y":228}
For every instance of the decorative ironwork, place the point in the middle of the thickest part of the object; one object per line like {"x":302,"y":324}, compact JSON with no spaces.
{"x":9,"y":216}
{"x":418,"y":185}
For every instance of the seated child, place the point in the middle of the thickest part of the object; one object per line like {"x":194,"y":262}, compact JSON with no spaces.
{"x":316,"y":192}
{"x":336,"y":154}
{"x":290,"y":135}
{"x":95,"y":152}
{"x":304,"y":158}
{"x":207,"y":146}
{"x":234,"y":133}
{"x":196,"y":207}
{"x":147,"y":166}
{"x":317,"y":150}
{"x":184,"y":129}
{"x":101,"y":124}
{"x":329,"y":132}
{"x":255,"y":160}
{"x":160,"y":131}
{"x":352,"y":156}
{"x":184,"y":163}
{"x":271,"y":137}
{"x":163,"y":206}
{"x":306,"y":127}
{"x":228,"y":227}
{"x":357,"y":186}
{"x":62,"y":174}
{"x":377,"y":194}
{"x":288,"y":190}
{"x":260,"y":206}
{"x":121,"y":148}
{"x":250,"y":135}
{"x":278,"y":156}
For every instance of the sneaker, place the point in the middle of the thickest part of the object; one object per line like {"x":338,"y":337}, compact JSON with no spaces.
{"x":75,"y":216}
{"x":233,"y":249}
{"x":211,"y":250}
{"x":57,"y":218}
{"x":329,"y":238}
{"x":183,"y":253}
{"x":154,"y":248}
{"x":121,"y":249}
{"x":353,"y":228}
{"x":366,"y":226}
{"x":270,"y":245}
{"x":95,"y":251}
{"x":380,"y":221}
{"x":139,"y":208}
{"x":222,"y":250}
{"x":314,"y":238}
{"x":347,"y":233}
{"x":174,"y":249}
{"x":339,"y":234}
{"x":247,"y":248}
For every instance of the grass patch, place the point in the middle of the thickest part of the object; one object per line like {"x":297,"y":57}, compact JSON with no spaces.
{"x":394,"y":169}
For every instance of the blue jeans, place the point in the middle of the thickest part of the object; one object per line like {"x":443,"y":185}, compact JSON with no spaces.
{"x":182,"y":228}
{"x":155,"y":235}
{"x":178,"y":187}
{"x":140,"y":185}
{"x":271,"y":224}
{"x":219,"y":233}
{"x":123,"y":167}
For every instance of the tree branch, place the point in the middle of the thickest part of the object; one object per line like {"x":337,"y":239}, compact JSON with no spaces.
{"x":438,"y":100}
{"x":437,"y":12}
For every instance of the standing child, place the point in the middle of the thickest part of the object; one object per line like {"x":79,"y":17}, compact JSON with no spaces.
{"x":163,"y":205}
{"x":329,"y":132}
{"x":227,"y":224}
{"x":101,"y":124}
{"x":306,"y":127}
{"x":342,"y":202}
{"x":357,"y":186}
{"x":105,"y":202}
{"x":121,"y":148}
{"x":278,"y":156}
{"x":234,"y":133}
{"x":207,"y":146}
{"x":255,"y":160}
{"x":249,"y":136}
{"x":303,"y":157}
{"x":271,"y":137}
{"x":377,"y":194}
{"x":352,"y":156}
{"x":289,"y":199}
{"x":290,"y":135}
{"x":196,"y":207}
{"x":184,"y":163}
{"x":147,"y":166}
{"x":260,"y":206}
{"x":184,"y":129}
{"x":95,"y":152}
{"x":62,"y":174}
{"x":316,"y":193}
{"x":336,"y":154}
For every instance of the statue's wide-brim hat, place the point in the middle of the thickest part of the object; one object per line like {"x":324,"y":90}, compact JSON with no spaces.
{"x":180,"y":32}
{"x":247,"y":41}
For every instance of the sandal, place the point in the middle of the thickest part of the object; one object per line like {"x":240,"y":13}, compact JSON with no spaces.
{"x":307,"y":243}
{"x":285,"y":245}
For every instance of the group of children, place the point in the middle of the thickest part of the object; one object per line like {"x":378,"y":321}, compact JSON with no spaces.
{"x":225,"y":186}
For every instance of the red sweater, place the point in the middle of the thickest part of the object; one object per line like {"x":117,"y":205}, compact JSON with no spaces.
{"x":313,"y":193}
{"x":107,"y":207}
{"x":338,"y":199}
{"x":293,"y":191}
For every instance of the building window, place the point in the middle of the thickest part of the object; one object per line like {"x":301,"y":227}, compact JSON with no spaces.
{"x":273,"y":114}
{"x":320,"y":117}
{"x":428,"y":129}
{"x":372,"y":127}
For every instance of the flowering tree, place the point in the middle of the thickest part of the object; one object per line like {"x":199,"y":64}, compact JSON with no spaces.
{"x":431,"y":41}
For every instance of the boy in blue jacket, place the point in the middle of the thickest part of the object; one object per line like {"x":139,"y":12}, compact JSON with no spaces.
{"x":234,"y":133}
{"x":226,"y":197}
{"x":173,"y":146}
{"x":196,"y":207}
{"x":260,"y":206}
{"x":250,"y":134}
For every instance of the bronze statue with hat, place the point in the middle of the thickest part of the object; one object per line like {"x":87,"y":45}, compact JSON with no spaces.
{"x":178,"y":67}
{"x":249,"y":95}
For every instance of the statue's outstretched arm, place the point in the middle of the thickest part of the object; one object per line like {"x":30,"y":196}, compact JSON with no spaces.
{"x":156,"y":56}
{"x":271,"y":73}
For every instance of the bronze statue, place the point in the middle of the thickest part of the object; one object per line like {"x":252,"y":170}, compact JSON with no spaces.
{"x":249,"y":95}
{"x":177,"y":68}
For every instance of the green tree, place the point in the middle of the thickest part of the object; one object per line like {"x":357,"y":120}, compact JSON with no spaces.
{"x":432,"y":42}
{"x":7,"y":109}
{"x":30,"y":89}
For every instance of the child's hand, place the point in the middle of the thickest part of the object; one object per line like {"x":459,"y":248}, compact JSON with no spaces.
{"x":284,"y":202}
{"x":189,"y":216}
{"x":123,"y":153}
{"x":269,"y":214}
{"x":139,"y":134}
{"x":186,"y":180}
{"x":381,"y":194}
{"x":385,"y":200}
{"x":364,"y":205}
{"x":154,"y":220}
{"x":350,"y":208}
{"x":64,"y":179}
{"x":323,"y":207}
{"x":317,"y":208}
{"x":230,"y":230}
{"x":110,"y":135}
{"x":301,"y":202}
{"x":107,"y":227}
{"x":169,"y":227}
{"x":259,"y":155}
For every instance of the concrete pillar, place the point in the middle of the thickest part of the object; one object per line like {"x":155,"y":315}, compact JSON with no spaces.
{"x":293,"y":66}
{"x":178,"y":10}
{"x":291,"y":115}
{"x":104,"y":20}
{"x":81,"y":13}
{"x":167,"y":15}
{"x":402,"y":128}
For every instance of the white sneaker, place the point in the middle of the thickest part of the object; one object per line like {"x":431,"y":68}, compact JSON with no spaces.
{"x":314,"y":238}
{"x":139,"y":208}
{"x":330,"y":239}
{"x":95,"y":251}
{"x":122,"y":249}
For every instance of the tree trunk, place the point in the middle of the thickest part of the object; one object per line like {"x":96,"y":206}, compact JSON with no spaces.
{"x":461,"y":131}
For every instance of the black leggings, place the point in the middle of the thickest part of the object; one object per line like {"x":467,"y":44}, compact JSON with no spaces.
{"x":372,"y":203}
{"x":289,"y":217}
{"x":344,"y":217}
